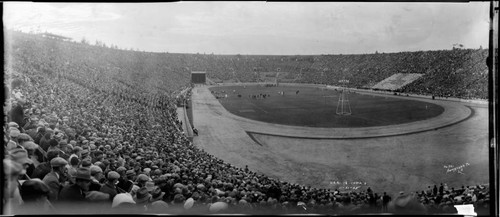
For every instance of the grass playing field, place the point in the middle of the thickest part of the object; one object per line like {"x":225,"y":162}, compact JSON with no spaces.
{"x":315,"y":107}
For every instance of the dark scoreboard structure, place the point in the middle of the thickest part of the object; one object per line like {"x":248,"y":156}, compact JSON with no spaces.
{"x":198,"y":77}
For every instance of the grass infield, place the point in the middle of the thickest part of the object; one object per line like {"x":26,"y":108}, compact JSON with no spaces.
{"x":315,"y":107}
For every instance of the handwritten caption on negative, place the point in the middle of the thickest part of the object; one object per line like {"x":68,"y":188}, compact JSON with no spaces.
{"x":456,"y":169}
{"x":346,"y":185}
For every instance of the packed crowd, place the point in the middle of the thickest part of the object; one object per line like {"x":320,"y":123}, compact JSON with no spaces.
{"x":75,"y":145}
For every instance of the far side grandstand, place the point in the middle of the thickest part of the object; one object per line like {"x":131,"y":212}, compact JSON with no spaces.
{"x":396,"y":81}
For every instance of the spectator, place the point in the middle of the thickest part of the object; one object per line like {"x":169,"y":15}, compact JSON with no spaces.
{"x":142,"y":199}
{"x":385,"y":201}
{"x":35,"y":194}
{"x":12,"y":196}
{"x":73,"y":166}
{"x":96,"y":175}
{"x":20,"y":156}
{"x":110,"y":186}
{"x":56,"y":178}
{"x":44,"y":168}
{"x":77,"y":192}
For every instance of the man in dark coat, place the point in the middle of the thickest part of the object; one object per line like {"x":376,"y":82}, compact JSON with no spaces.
{"x":44,"y":168}
{"x":110,"y":186}
{"x":56,"y":178}
{"x":44,"y":141}
{"x":17,"y":114}
{"x":76,"y":192}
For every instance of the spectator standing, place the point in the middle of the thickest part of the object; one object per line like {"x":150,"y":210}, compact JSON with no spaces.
{"x":55,"y":179}
{"x":385,"y":201}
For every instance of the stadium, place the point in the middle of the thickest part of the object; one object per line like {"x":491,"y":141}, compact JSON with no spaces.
{"x":91,"y":128}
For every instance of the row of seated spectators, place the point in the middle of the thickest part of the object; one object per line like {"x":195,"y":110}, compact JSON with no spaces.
{"x":75,"y":145}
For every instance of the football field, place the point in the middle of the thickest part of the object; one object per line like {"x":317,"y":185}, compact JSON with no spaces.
{"x":412,"y":153}
{"x":317,"y":107}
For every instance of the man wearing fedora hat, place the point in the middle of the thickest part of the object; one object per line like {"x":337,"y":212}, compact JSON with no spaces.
{"x":157,"y":194}
{"x":56,"y":177}
{"x":20,"y":155}
{"x":142,"y":198}
{"x":76,"y":192}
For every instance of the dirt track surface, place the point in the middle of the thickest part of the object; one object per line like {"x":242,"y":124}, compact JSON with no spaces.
{"x":409,"y":162}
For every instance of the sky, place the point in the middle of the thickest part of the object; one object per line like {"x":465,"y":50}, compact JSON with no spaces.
{"x":279,"y":28}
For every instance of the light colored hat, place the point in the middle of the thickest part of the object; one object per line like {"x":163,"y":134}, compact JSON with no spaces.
{"x":142,"y":178}
{"x":97,"y":196}
{"x":11,"y":167}
{"x":113,"y":175}
{"x":14,"y":133}
{"x":29,"y":145}
{"x":13,"y":124}
{"x":11,"y":145}
{"x":121,"y":169}
{"x":24,"y":136}
{"x":20,"y":155}
{"x":218,"y":206}
{"x":122,"y":198}
{"x":189,"y":203}
{"x":160,"y":204}
{"x":150,"y":186}
{"x":58,"y":162}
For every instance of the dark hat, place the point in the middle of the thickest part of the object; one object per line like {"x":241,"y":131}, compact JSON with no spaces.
{"x":53,"y":143}
{"x":157,"y":194}
{"x":85,"y":152}
{"x":74,"y":160}
{"x":58,"y":162}
{"x":33,"y":189}
{"x":86,"y":162}
{"x":77,"y":149}
{"x":179,"y":198}
{"x":52,"y":154}
{"x":83,"y":173}
{"x":142,"y":195}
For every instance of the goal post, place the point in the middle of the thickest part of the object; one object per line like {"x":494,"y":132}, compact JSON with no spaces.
{"x":343,"y":105}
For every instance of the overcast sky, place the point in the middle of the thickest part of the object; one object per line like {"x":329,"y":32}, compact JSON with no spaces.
{"x":289,"y":28}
